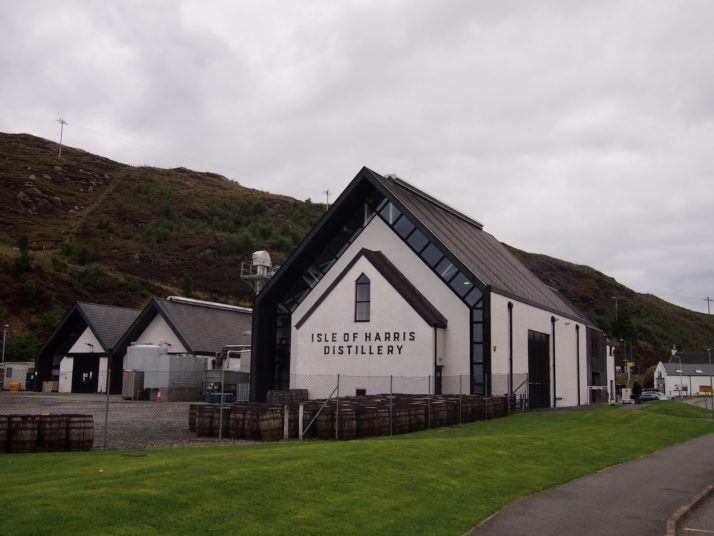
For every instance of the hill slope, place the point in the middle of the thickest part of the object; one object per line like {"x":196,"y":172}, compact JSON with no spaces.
{"x":102,"y":231}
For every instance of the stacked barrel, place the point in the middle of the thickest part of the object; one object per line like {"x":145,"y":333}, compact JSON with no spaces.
{"x":46,"y":433}
{"x":346,"y":418}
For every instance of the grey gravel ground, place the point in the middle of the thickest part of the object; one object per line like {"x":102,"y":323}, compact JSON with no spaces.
{"x":131,"y":424}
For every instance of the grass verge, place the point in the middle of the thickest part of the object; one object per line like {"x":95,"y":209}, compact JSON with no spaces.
{"x":438,"y":482}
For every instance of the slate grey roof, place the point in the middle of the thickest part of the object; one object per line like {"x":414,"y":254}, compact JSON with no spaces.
{"x":399,"y":282}
{"x":206,"y":329}
{"x":689,"y":369}
{"x":108,"y":322}
{"x":480,"y":252}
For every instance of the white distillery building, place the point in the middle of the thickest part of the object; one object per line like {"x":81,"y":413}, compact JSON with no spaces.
{"x":394,"y":289}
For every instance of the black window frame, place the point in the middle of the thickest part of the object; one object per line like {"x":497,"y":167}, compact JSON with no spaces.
{"x":360,"y":316}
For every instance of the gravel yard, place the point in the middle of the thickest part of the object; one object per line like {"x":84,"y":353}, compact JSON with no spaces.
{"x":131,"y":424}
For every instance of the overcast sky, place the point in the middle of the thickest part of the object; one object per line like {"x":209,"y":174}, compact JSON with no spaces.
{"x":582,"y":130}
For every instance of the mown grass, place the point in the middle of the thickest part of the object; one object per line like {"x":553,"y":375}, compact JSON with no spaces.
{"x":438,"y":482}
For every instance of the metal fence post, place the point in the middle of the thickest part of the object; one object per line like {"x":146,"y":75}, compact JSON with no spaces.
{"x":428,"y":390}
{"x":460,"y":407}
{"x":220,"y":415}
{"x":106,"y":407}
{"x":337,"y":411}
{"x":391,"y":406}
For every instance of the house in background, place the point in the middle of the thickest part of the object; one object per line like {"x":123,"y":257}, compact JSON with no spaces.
{"x":76,"y":354}
{"x":685,"y":374}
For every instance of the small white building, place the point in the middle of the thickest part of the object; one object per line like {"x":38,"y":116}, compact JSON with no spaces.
{"x":393,"y":289}
{"x":17,"y":371}
{"x":677,"y":378}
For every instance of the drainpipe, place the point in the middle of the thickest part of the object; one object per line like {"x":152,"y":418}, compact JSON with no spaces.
{"x":553,"y":320}
{"x":577,"y":354}
{"x":510,"y":350}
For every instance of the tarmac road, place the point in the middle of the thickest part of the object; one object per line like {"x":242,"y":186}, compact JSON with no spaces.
{"x":635,"y":498}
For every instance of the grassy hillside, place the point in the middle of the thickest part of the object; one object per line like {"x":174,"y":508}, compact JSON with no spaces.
{"x":102,"y":231}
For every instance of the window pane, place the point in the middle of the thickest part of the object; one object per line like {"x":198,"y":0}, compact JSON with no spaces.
{"x":445,"y":269}
{"x":478,"y":332}
{"x":431,"y":255}
{"x":403,"y":227}
{"x":417,"y":240}
{"x":362,"y":292}
{"x":460,"y":284}
{"x":477,"y":315}
{"x":362,"y":312}
{"x":478,"y":353}
{"x":477,"y":371}
{"x":473,"y":297}
{"x":390,"y":213}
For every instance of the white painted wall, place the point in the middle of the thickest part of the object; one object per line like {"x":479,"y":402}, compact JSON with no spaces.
{"x":379,"y":354}
{"x":159,"y":330}
{"x":65,"y":378}
{"x":102,"y":383}
{"x":612,"y":390}
{"x":526,"y":317}
{"x":377,"y":236}
{"x":87,"y":343}
{"x":673,"y":381}
{"x":17,"y":371}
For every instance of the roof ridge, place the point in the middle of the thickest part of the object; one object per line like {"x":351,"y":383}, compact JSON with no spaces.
{"x":433,"y":200}
{"x":112,"y":306}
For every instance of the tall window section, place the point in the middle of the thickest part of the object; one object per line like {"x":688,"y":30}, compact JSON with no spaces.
{"x":362,"y":299}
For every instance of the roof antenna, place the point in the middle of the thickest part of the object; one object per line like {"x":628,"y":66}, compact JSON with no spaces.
{"x":62,"y":123}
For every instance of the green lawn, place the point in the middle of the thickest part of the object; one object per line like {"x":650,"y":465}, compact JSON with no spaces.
{"x":438,"y":482}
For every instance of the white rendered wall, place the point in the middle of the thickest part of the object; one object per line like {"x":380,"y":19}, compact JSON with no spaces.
{"x":158,"y":330}
{"x":395,"y":342}
{"x":65,"y":378}
{"x":102,"y":383}
{"x":610,"y":360}
{"x":527,"y":317}
{"x":692,"y":384}
{"x":377,"y":236}
{"x":87,"y":343}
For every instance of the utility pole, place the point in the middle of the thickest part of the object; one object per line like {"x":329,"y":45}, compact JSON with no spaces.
{"x":327,"y":200}
{"x":708,"y":300}
{"x":616,"y":298}
{"x":62,"y":123}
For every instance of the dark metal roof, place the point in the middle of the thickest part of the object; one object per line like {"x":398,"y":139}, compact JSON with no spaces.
{"x":108,"y":323}
{"x":689,"y":369}
{"x":205,"y":329}
{"x":399,"y":282}
{"x":482,"y":254}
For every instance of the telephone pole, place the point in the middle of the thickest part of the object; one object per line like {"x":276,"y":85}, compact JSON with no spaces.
{"x":616,"y":298}
{"x":708,"y":300}
{"x":62,"y":123}
{"x":327,"y":200}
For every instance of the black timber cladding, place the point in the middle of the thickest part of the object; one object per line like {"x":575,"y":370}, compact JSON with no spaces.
{"x":394,"y":277}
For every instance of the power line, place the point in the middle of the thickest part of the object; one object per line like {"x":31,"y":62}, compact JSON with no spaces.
{"x":708,"y":300}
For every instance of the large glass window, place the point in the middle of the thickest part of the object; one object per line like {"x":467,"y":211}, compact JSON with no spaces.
{"x":362,"y":299}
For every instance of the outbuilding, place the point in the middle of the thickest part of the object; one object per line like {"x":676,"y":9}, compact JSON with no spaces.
{"x":688,"y":374}
{"x":394,"y":290}
{"x":174,"y":341}
{"x":76,"y":354}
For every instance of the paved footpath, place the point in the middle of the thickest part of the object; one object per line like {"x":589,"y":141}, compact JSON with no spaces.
{"x":633,"y":499}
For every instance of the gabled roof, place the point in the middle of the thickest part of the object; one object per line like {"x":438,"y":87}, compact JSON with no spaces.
{"x":477,"y":253}
{"x":394,"y":277}
{"x":202,"y":327}
{"x":688,"y":369}
{"x":107,"y":322}
{"x":480,"y":252}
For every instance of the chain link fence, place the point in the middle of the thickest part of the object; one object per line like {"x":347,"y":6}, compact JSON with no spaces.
{"x":179,"y":408}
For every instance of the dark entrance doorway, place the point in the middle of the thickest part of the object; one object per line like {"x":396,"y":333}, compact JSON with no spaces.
{"x":85,"y":375}
{"x":538,"y":370}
